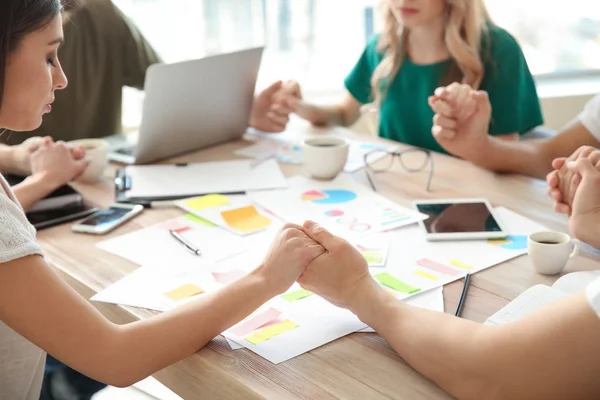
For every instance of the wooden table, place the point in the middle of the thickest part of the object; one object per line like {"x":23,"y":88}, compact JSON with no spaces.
{"x":359,"y":366}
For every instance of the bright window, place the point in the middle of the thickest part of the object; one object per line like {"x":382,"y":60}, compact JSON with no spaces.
{"x":318,"y":42}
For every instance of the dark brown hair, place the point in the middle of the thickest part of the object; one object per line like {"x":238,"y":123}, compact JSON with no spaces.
{"x":19,"y":18}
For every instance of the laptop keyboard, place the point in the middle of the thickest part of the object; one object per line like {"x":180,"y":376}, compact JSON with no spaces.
{"x":127,"y":151}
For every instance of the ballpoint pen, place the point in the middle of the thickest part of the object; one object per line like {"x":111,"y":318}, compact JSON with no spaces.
{"x":184,"y":242}
{"x":463,"y":296}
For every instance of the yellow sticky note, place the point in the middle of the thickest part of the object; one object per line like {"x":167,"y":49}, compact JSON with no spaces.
{"x":426,"y":275}
{"x":208,"y":201}
{"x":245,"y":219}
{"x":271,"y":331}
{"x":499,"y":242}
{"x":183,"y":292}
{"x":460,"y":265}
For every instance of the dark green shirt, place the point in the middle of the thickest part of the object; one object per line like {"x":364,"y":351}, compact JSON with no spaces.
{"x":405,"y":114}
{"x":103,"y":52}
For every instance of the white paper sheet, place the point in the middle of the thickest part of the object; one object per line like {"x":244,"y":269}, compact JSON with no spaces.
{"x":155,"y":245}
{"x":314,"y":329}
{"x":426,"y":265}
{"x":151,"y":181}
{"x":343,"y":206}
{"x":147,"y":287}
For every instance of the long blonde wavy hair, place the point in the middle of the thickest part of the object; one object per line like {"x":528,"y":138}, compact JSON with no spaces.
{"x":465,"y":26}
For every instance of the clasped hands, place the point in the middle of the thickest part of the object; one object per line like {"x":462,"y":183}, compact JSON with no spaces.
{"x":321,"y":262}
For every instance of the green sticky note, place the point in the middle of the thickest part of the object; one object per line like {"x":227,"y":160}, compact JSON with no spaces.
{"x":396,"y":284}
{"x":198,"y":220}
{"x":297,"y":295}
{"x":373,"y":257}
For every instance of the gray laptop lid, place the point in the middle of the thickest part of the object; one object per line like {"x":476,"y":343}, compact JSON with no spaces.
{"x":195,"y":104}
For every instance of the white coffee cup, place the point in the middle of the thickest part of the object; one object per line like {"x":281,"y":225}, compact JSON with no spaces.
{"x":325,"y":157}
{"x":550,"y":251}
{"x":96,"y":152}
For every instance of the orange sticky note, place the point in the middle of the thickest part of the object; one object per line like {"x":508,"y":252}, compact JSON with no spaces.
{"x":208,"y":201}
{"x":245,"y":219}
{"x":183,"y":292}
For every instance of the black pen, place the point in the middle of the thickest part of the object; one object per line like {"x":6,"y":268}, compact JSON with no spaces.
{"x":186,"y":243}
{"x":463,"y":296}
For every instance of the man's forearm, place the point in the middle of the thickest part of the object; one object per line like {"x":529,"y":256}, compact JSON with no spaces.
{"x":445,"y":349}
{"x":533,"y":358}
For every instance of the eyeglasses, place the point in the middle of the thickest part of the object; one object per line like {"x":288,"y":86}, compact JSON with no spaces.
{"x":412,"y":160}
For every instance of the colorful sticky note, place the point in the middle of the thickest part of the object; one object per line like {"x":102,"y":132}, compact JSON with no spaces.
{"x":256,"y":321}
{"x":460,"y":265}
{"x":396,"y":284}
{"x":271,"y":331}
{"x":437,"y":267}
{"x":512,"y":242}
{"x":426,"y":275}
{"x":245,"y":219}
{"x":183,"y":292}
{"x":498,"y":242}
{"x":297,"y":295}
{"x":208,"y":201}
{"x":200,"y":221}
{"x":176,"y":225}
{"x":373,"y":257}
{"x":227,"y":277}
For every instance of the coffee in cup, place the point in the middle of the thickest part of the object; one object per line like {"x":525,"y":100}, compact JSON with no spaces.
{"x":325,"y":157}
{"x":550,"y":251}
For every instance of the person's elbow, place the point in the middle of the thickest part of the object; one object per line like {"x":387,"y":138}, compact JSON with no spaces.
{"x":115,"y":362}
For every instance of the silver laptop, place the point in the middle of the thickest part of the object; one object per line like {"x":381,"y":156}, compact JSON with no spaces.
{"x":191,"y":105}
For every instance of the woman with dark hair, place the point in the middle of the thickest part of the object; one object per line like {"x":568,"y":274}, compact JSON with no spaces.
{"x":40,"y":311}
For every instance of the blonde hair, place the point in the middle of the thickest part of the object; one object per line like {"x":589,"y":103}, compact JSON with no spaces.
{"x":465,"y":25}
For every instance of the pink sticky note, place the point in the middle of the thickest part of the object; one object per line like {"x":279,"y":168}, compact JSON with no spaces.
{"x":255,"y":322}
{"x":229,"y":276}
{"x":437,"y":267}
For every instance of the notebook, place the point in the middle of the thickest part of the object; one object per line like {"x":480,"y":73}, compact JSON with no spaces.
{"x":144,"y":183}
{"x":539,"y":296}
{"x":62,"y":197}
{"x":49,"y":218}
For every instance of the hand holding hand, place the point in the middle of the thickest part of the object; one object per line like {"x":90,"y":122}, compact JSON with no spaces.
{"x":291,"y":251}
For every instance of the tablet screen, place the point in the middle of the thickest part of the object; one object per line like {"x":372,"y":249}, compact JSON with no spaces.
{"x":458,"y":218}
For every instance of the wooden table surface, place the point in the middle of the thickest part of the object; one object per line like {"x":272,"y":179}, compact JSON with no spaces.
{"x":359,"y":366}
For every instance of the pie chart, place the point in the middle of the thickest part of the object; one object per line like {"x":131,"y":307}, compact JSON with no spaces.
{"x":328,"y":196}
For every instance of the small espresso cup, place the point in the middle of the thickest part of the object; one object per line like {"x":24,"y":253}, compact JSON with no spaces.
{"x":325,"y":157}
{"x":96,"y":152}
{"x":550,"y":251}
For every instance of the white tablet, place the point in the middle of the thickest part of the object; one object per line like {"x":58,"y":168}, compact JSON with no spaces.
{"x":460,"y":219}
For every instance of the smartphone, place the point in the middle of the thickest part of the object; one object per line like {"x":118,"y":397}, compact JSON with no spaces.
{"x":104,"y":221}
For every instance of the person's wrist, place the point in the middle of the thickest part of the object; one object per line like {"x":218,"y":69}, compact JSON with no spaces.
{"x":483,"y":152}
{"x":45,"y":180}
{"x":268,"y":285}
{"x":366,"y":298}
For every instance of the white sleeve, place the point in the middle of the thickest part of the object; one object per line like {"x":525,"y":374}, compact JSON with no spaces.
{"x":17,"y":236}
{"x":590,"y":116}
{"x":592,"y":292}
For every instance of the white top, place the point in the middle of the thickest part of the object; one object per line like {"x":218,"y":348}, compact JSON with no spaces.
{"x":590,"y":116}
{"x":21,"y":362}
{"x":592,"y":292}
